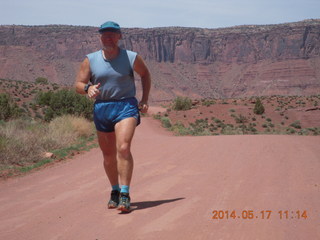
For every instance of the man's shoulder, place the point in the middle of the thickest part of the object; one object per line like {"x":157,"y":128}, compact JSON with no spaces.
{"x":94,"y":56}
{"x":129,"y":52}
{"x":94,"y":53}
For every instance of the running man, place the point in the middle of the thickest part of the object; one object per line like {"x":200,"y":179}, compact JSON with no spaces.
{"x":108,"y":76}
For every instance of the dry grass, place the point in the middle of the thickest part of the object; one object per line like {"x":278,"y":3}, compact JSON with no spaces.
{"x":19,"y":143}
{"x":23,"y":142}
{"x":67,"y":129}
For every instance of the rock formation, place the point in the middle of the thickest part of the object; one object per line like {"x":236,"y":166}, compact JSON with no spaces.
{"x":226,"y":62}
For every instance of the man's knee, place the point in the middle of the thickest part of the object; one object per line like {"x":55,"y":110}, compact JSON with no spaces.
{"x":123,"y":150}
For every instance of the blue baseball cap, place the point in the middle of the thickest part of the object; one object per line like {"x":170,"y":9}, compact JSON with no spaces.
{"x":109,"y":27}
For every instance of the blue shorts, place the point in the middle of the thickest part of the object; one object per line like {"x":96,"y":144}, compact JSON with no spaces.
{"x":106,"y":114}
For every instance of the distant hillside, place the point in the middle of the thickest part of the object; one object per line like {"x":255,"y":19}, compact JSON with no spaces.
{"x":281,"y":59}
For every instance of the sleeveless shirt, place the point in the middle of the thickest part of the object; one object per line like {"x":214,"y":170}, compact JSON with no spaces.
{"x":116,"y":76}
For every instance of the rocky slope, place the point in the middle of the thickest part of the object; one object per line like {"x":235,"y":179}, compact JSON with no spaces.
{"x":226,"y":62}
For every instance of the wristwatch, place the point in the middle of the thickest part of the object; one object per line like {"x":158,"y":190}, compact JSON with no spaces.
{"x":86,"y":87}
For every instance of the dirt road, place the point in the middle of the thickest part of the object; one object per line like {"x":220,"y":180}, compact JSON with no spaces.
{"x":179,"y":185}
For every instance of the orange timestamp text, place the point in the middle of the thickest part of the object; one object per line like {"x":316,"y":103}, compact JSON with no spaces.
{"x":260,"y":214}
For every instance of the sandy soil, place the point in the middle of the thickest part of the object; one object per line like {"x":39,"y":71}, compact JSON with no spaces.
{"x":178,"y":184}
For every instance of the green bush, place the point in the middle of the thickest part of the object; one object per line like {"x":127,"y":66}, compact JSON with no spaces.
{"x":8,"y":109}
{"x":200,"y":128}
{"x":182,"y":103}
{"x":41,"y":80}
{"x":258,"y":107}
{"x":166,"y":122}
{"x":157,"y":116}
{"x":180,"y":130}
{"x":296,"y":124}
{"x":64,"y":102}
{"x":240,"y":118}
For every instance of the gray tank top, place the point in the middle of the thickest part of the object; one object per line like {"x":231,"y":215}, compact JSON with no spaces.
{"x":115,"y":76}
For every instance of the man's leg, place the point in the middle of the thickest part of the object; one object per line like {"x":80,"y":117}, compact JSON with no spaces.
{"x":124,"y":131}
{"x":107,"y":142}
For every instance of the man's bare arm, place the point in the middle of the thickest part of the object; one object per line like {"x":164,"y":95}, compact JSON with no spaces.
{"x":83,"y":78}
{"x":142,"y":70}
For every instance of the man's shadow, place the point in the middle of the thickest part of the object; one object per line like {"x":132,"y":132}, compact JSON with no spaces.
{"x":149,"y":204}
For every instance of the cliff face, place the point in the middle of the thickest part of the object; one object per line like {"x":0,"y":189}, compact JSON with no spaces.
{"x":247,"y":44}
{"x":229,"y":62}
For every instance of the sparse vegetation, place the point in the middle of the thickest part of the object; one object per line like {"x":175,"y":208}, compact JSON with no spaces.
{"x":25,"y":136}
{"x":208,"y":102}
{"x":242,"y":121}
{"x":182,"y":103}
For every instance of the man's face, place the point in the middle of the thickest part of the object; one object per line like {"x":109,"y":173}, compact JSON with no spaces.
{"x":110,"y":39}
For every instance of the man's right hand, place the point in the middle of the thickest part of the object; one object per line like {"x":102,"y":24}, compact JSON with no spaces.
{"x":94,"y":91}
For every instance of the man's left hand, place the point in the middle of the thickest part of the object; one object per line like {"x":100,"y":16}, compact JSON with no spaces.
{"x":143,"y":107}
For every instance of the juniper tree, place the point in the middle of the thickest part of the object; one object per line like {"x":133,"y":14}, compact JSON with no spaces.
{"x":258,"y":107}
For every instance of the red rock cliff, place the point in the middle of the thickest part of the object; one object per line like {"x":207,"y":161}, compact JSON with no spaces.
{"x":228,"y":62}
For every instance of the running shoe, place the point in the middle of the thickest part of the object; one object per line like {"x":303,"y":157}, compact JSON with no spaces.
{"x":114,"y":199}
{"x":124,"y":202}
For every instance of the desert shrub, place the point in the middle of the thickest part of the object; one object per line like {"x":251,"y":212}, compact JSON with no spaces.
{"x":253,"y":130}
{"x":208,"y":102}
{"x":258,"y":107}
{"x":315,"y":131}
{"x":157,"y":116}
{"x":65,"y":102}
{"x":216,"y":120}
{"x":296,"y":124}
{"x":200,"y":128}
{"x":8,"y":109}
{"x":180,"y":129}
{"x":41,"y":80}
{"x":182,"y":103}
{"x":290,"y":130}
{"x":240,"y":119}
{"x":55,"y":86}
{"x":303,"y":132}
{"x":166,"y":122}
{"x":230,"y":130}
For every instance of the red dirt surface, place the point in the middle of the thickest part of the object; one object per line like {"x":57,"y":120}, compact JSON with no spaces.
{"x":178,"y":183}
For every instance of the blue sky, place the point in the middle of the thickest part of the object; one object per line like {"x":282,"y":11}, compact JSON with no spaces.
{"x":163,"y":13}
